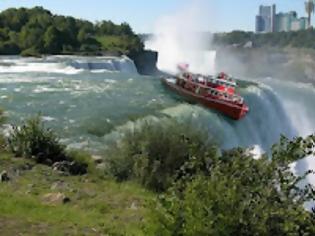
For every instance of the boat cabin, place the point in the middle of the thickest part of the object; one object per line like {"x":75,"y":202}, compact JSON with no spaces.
{"x":220,"y":87}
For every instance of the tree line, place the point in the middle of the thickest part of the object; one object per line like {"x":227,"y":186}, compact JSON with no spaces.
{"x":297,"y":39}
{"x":37,"y":31}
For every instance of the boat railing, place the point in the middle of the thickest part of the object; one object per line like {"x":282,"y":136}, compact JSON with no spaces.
{"x":221,"y":82}
{"x":215,"y":92}
{"x":213,"y":80}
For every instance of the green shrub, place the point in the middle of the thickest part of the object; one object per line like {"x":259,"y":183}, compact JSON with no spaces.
{"x":83,"y":159}
{"x":242,"y":196}
{"x":154,"y":153}
{"x":2,"y":120}
{"x":31,"y":52}
{"x":33,"y":140}
{"x":9,"y":48}
{"x":2,"y":117}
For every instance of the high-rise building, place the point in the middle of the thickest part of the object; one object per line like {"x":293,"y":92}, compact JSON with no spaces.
{"x":268,"y":21}
{"x":260,"y":24}
{"x":265,"y":21}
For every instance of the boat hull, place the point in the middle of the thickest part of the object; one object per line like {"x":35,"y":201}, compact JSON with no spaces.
{"x":231,"y":110}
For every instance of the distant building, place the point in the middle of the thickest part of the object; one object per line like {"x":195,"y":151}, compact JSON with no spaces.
{"x":268,"y":21}
{"x":284,"y":21}
{"x":290,"y":22}
{"x":265,"y":21}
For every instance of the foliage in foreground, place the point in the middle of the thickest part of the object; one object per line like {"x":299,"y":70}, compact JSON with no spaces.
{"x":2,"y":120}
{"x":213,"y":193}
{"x":207,"y":192}
{"x":97,"y":206}
{"x":2,"y":117}
{"x":33,"y":140}
{"x":239,"y":195}
{"x":153,"y":153}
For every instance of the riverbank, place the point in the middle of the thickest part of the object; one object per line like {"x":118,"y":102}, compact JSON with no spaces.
{"x":156,"y":178}
{"x":36,"y":200}
{"x":27,"y":36}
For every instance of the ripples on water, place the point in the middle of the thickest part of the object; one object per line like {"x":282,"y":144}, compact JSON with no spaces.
{"x":88,"y":101}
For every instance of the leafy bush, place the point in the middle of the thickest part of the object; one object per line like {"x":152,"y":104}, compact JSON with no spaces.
{"x":31,"y":52}
{"x":154,"y":153}
{"x":242,"y":196}
{"x":2,"y":120}
{"x":83,"y":159}
{"x":2,"y":117}
{"x":9,"y":48}
{"x":33,"y":140}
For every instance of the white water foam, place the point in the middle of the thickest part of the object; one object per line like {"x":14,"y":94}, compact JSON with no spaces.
{"x":69,"y":65}
{"x":24,"y":67}
{"x":106,"y":64}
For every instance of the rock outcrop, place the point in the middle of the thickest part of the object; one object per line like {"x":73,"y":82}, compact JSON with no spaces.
{"x":146,"y":62}
{"x":55,"y":199}
{"x":4,"y":177}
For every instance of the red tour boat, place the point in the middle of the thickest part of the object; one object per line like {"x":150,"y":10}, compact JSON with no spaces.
{"x":216,"y":92}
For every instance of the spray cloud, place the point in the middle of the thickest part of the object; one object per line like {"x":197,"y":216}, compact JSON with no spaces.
{"x":179,"y":38}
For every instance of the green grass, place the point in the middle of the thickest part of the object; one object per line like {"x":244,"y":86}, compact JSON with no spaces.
{"x":114,"y":43}
{"x":97,"y":206}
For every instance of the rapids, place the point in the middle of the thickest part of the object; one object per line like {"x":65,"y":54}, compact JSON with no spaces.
{"x":90,"y":100}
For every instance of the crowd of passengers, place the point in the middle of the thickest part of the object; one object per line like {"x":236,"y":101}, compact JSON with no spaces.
{"x":209,"y":92}
{"x":220,"y":79}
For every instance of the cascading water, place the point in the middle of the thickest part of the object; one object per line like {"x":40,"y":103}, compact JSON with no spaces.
{"x":276,"y":107}
{"x":123,"y":64}
{"x":90,"y":110}
{"x":86,"y":107}
{"x":67,"y":64}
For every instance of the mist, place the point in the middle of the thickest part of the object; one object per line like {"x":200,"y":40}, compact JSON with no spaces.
{"x":181,"y":38}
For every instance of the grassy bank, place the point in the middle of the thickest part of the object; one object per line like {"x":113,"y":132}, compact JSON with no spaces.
{"x":37,"y":198}
{"x":164,"y":178}
{"x":97,"y":206}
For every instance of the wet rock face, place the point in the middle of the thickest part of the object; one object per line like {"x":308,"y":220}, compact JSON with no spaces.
{"x":4,"y":177}
{"x":146,"y":62}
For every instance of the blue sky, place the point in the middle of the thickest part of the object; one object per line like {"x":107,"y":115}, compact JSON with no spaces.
{"x":224,"y":15}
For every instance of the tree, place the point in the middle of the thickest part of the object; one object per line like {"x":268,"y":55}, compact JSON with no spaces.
{"x":9,"y":48}
{"x":83,"y":35}
{"x":309,"y":8}
{"x":52,"y":41}
{"x":31,"y":36}
{"x":125,"y":29}
{"x":239,"y":195}
{"x":14,"y":19}
{"x":36,"y":30}
{"x":4,"y":34}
